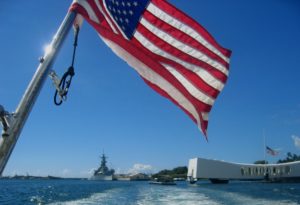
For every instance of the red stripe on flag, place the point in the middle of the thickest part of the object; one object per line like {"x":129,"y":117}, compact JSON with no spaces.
{"x":181,"y":55}
{"x":185,"y":19}
{"x":192,"y":78}
{"x":96,"y":10}
{"x":108,"y":16}
{"x":189,"y":75}
{"x":79,"y":9}
{"x":184,"y":38}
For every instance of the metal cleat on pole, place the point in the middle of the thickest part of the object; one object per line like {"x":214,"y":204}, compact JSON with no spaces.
{"x":56,"y":82}
{"x":6,"y":120}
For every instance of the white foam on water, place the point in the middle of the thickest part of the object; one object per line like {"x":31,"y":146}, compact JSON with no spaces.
{"x":102,"y":198}
{"x":36,"y":199}
{"x":173,"y":196}
{"x":236,"y":198}
{"x":157,"y":195}
{"x":182,"y":199}
{"x":183,"y":196}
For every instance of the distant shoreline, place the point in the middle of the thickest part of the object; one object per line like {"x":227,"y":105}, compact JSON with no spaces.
{"x":29,"y":177}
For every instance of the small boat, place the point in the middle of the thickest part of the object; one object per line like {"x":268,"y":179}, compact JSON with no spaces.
{"x":163,"y":181}
{"x":219,"y":181}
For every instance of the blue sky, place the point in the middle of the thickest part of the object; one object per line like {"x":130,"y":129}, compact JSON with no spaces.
{"x":110,"y":108}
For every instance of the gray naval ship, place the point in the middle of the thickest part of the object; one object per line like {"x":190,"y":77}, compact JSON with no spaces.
{"x":103,"y":173}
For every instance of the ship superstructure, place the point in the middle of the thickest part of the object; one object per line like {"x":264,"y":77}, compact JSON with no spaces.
{"x":103,"y":172}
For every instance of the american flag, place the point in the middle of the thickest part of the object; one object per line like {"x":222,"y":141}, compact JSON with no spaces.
{"x":173,"y":54}
{"x":271,"y":151}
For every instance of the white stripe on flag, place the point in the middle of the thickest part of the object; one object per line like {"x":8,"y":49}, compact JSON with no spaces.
{"x":183,"y":47}
{"x":112,"y":18}
{"x":184,"y":28}
{"x":105,"y":16}
{"x":203,"y":74}
{"x":88,"y":9}
{"x":205,"y":116}
{"x":189,"y":86}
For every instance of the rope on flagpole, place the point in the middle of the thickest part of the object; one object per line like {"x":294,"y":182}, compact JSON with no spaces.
{"x":63,"y":85}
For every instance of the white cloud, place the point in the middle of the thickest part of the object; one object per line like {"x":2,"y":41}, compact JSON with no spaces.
{"x":87,"y":173}
{"x":296,"y":140}
{"x":119,"y":171}
{"x":141,"y":168}
{"x":66,"y":173}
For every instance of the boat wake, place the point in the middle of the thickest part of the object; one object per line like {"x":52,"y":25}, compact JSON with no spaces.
{"x":171,"y":196}
{"x":145,"y":194}
{"x":111,"y":196}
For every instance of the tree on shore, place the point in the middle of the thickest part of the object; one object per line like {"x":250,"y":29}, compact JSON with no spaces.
{"x":261,"y":162}
{"x":178,"y":172}
{"x":290,"y":158}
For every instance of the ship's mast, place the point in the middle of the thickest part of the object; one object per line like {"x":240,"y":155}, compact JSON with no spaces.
{"x":103,"y":160}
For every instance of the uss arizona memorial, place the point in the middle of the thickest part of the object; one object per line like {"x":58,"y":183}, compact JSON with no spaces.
{"x":221,"y":172}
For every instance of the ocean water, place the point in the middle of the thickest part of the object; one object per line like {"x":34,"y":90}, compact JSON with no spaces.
{"x":81,"y":192}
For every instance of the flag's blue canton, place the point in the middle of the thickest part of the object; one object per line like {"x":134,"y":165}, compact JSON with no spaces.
{"x":127,"y":13}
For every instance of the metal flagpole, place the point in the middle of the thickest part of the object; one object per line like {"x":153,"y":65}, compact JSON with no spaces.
{"x":13,"y":123}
